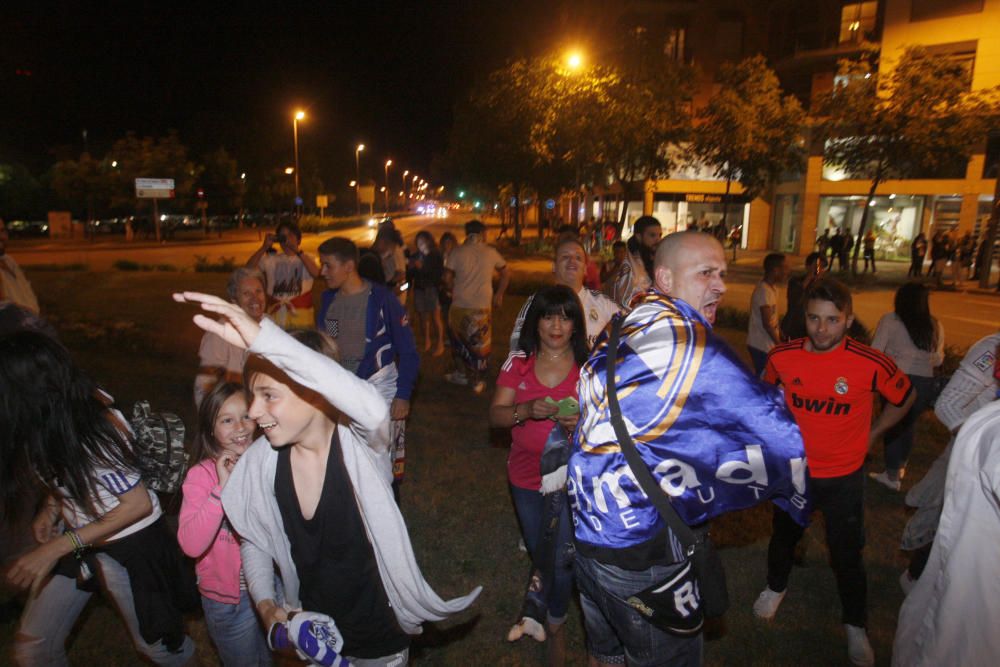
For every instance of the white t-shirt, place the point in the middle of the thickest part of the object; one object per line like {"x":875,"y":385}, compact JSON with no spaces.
{"x":110,"y":485}
{"x":763,"y":295}
{"x":287,"y":276}
{"x":892,"y":338}
{"x":473,"y":263}
{"x":598,"y":309}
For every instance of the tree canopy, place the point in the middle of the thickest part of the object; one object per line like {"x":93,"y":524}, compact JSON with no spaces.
{"x":749,"y":131}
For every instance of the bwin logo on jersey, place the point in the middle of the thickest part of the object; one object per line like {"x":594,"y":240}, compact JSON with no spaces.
{"x":820,"y":406}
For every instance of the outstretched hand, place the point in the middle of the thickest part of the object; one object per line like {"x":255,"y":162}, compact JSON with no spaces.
{"x":236,"y":328}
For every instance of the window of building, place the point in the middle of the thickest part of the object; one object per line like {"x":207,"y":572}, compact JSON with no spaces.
{"x":894,"y":220}
{"x":857,"y":22}
{"x":922,"y":10}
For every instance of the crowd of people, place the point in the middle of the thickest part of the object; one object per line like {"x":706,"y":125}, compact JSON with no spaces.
{"x":632,"y":425}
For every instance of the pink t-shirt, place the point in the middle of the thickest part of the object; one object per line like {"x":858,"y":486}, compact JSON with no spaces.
{"x":518,"y":373}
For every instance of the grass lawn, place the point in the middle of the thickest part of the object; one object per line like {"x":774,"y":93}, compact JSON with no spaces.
{"x":124,"y":329}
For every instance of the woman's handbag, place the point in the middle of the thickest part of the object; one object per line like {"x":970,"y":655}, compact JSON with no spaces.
{"x":679,"y":604}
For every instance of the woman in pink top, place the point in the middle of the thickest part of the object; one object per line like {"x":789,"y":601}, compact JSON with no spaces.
{"x":224,"y":433}
{"x":553,"y":346}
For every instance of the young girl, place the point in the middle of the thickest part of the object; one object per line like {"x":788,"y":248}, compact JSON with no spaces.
{"x":59,"y":435}
{"x":314,"y":498}
{"x":224,"y":433}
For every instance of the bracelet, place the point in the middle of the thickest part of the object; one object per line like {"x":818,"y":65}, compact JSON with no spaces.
{"x":78,"y":545}
{"x":517,"y":420}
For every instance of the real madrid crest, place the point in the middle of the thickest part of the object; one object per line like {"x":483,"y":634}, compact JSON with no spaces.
{"x":840,"y":386}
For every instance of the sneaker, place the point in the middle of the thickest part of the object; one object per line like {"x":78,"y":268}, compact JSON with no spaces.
{"x":767,"y":603}
{"x":884,"y":479}
{"x":906,"y":582}
{"x":859,"y":650}
{"x":457,"y":377}
{"x":479,"y":387}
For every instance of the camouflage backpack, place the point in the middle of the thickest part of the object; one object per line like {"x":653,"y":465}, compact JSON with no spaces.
{"x":159,"y":443}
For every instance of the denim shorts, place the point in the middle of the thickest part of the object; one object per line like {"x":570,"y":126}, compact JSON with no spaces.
{"x":616,"y":633}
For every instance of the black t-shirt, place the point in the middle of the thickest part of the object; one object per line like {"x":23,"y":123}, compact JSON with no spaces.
{"x":338,"y":574}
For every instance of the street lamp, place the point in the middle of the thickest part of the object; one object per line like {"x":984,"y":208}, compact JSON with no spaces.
{"x":402,"y":194}
{"x":357,"y":176}
{"x":388,"y":163}
{"x":574,"y":60}
{"x":299,"y":115}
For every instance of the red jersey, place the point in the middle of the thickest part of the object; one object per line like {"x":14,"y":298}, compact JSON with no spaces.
{"x":831,"y":395}
{"x":528,"y":439}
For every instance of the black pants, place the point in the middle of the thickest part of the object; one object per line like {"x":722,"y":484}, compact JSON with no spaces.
{"x":841,"y":500}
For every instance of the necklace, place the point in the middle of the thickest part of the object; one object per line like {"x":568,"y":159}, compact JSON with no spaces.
{"x":550,"y":356}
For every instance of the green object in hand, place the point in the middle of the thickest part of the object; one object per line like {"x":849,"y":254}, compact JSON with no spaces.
{"x":567,"y":406}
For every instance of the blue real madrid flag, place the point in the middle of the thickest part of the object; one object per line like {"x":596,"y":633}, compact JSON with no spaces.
{"x":715,"y":438}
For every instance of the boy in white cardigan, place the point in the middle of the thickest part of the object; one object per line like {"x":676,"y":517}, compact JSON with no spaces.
{"x":313,"y":496}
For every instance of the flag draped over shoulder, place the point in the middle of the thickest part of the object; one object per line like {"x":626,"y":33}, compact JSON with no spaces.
{"x":715,"y":438}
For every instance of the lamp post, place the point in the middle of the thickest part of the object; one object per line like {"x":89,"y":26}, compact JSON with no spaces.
{"x":388,"y":163}
{"x":402,"y":194}
{"x":299,"y":115}
{"x":357,"y":176}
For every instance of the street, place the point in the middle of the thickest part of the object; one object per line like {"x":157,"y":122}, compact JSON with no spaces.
{"x":966,"y":316}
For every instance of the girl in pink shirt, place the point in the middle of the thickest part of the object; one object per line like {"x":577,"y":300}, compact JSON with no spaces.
{"x":224,"y":433}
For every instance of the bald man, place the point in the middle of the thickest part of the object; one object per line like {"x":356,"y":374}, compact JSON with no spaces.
{"x":691,"y":266}
{"x":693,"y":404}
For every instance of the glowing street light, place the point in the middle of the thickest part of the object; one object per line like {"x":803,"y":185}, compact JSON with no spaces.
{"x":289,"y":170}
{"x":299,"y":115}
{"x":357,"y":176}
{"x":388,"y":163}
{"x":574,"y":59}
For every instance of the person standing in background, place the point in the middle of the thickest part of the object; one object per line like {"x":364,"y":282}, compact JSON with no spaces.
{"x":290,"y":275}
{"x":915,"y":341}
{"x":763,"y":331}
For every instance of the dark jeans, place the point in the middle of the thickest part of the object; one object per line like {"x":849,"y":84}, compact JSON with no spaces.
{"x":530,"y":506}
{"x":617,"y":633}
{"x":759,"y":360}
{"x":841,"y":499}
{"x":916,"y":267}
{"x":899,"y":438}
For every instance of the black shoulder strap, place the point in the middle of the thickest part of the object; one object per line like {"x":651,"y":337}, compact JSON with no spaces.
{"x":635,"y":462}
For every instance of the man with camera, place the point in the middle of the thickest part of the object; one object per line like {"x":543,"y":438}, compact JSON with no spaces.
{"x":290,"y":273}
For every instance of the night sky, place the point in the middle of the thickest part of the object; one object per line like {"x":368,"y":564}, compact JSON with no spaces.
{"x":226,"y":74}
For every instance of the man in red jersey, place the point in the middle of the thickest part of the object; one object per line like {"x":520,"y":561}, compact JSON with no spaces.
{"x":830,"y":383}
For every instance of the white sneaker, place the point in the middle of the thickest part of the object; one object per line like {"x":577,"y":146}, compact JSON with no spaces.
{"x":767,"y":603}
{"x":883,"y":479}
{"x":456,"y":377}
{"x":859,"y":650}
